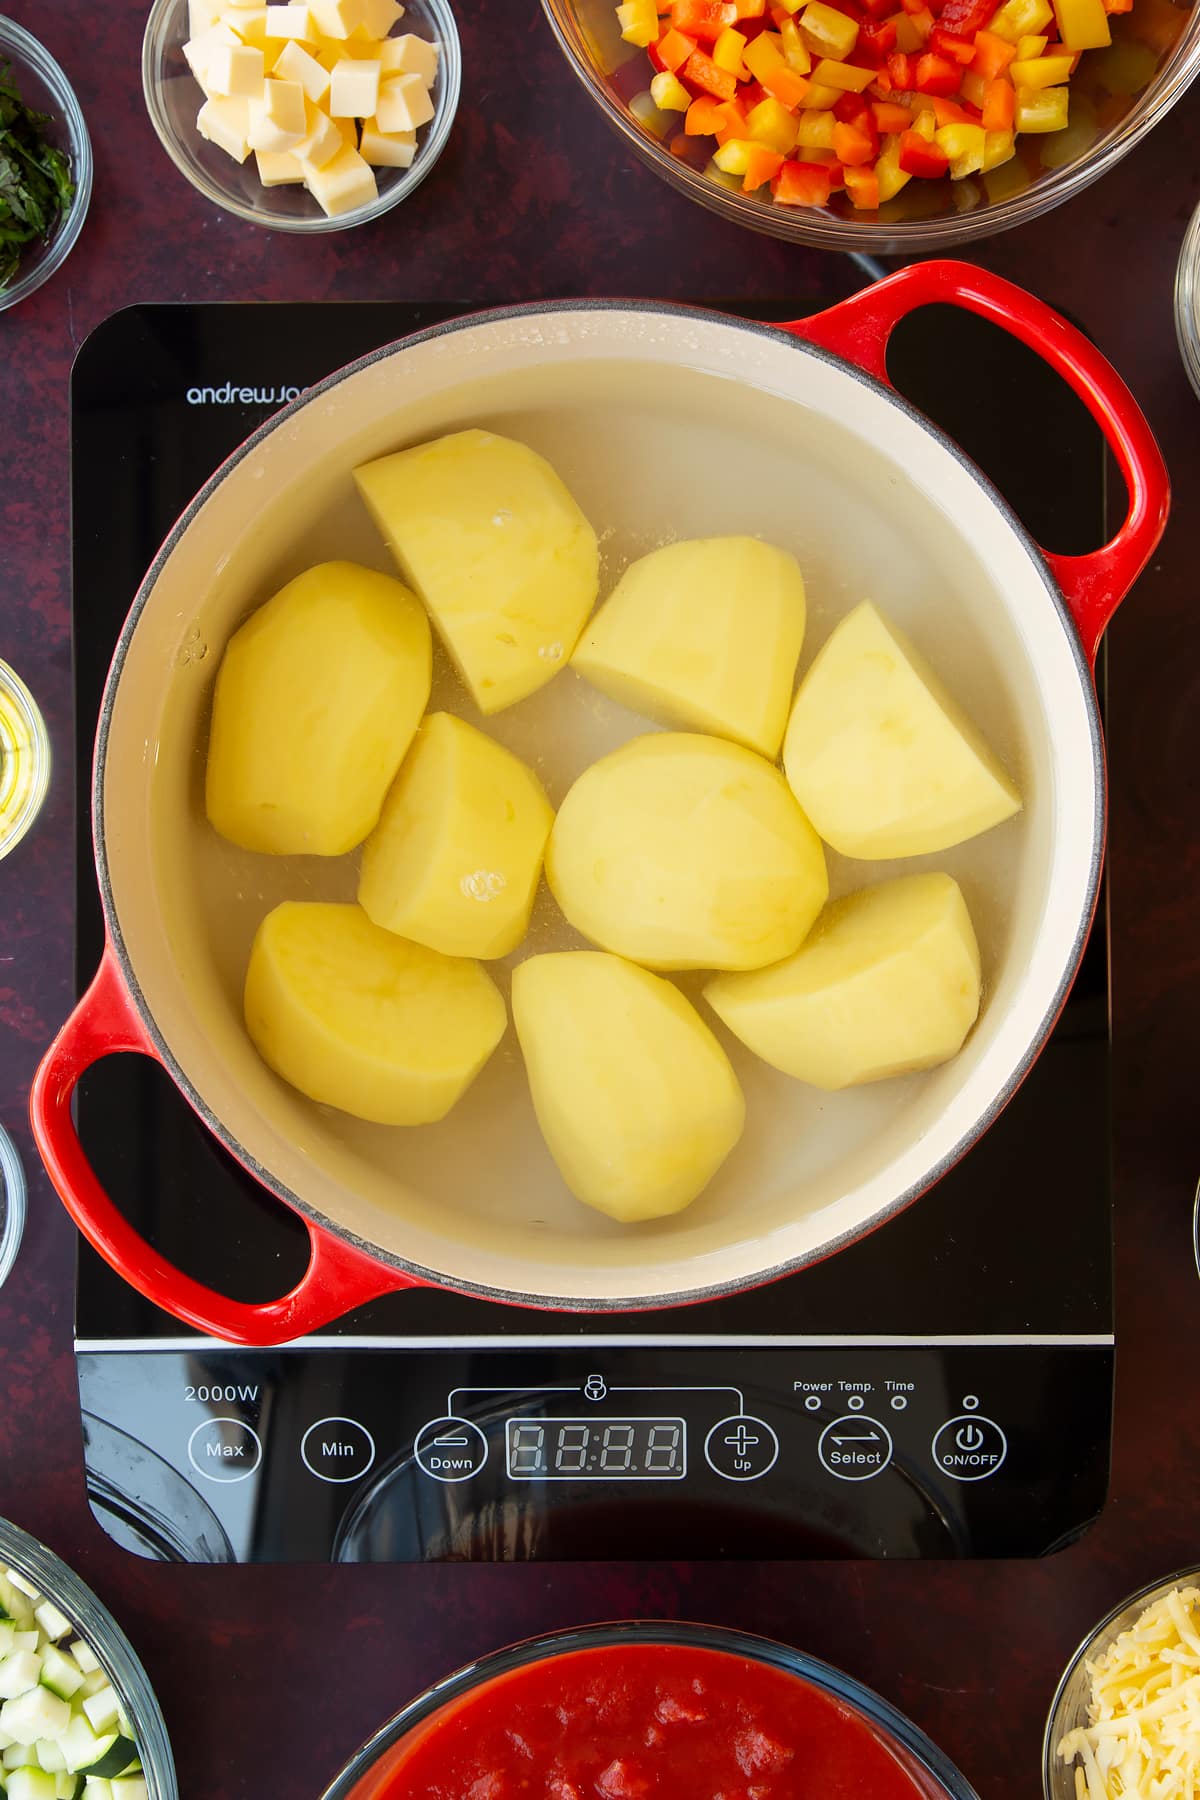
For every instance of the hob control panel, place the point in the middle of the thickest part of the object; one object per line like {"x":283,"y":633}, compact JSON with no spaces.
{"x":358,"y":1452}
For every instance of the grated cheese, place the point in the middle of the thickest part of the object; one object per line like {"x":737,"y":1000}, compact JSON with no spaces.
{"x":1142,"y":1739}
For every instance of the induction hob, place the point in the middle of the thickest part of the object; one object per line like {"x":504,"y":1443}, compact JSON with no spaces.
{"x":942,"y":1389}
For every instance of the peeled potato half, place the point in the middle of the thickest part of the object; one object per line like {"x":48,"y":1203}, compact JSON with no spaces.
{"x":317,"y":699}
{"x":705,"y":634}
{"x":888,"y":983}
{"x":360,"y":1019}
{"x":635,"y":1097}
{"x":881,"y":758}
{"x":498,"y":550}
{"x":686,"y":852}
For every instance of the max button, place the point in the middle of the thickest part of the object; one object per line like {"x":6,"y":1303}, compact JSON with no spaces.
{"x":337,"y":1449}
{"x":969,"y":1448}
{"x":224,"y":1450}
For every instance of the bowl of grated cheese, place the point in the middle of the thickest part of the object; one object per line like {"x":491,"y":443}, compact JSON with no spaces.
{"x":1125,"y":1721}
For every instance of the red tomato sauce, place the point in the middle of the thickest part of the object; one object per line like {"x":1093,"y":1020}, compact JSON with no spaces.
{"x":643,"y":1722}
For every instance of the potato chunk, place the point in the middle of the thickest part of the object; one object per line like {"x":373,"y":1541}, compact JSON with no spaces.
{"x":706,"y":635}
{"x":635,"y":1097}
{"x":360,"y":1019}
{"x":888,"y":983}
{"x":880,"y":757}
{"x":497,"y":549}
{"x":686,"y":852}
{"x":455,"y":859}
{"x":317,"y":699}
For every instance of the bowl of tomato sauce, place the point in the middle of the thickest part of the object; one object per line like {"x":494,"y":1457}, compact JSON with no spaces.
{"x":649,"y":1711}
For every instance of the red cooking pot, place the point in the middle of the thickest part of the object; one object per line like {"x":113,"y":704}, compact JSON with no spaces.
{"x":661,"y":419}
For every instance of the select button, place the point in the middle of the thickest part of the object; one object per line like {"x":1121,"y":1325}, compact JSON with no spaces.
{"x":337,"y":1449}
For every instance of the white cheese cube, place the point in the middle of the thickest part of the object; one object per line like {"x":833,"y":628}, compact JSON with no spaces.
{"x":323,"y":139}
{"x":387,"y":149}
{"x":200,"y":50}
{"x":344,"y":184}
{"x":294,"y":63}
{"x":403,"y":104}
{"x":409,"y":55}
{"x":278,"y":121}
{"x":251,"y":27}
{"x":277,"y":168}
{"x":354,"y":88}
{"x":203,"y":15}
{"x":380,"y":15}
{"x":336,"y":18}
{"x":226,"y":123}
{"x":241,"y":5}
{"x":288,"y":22}
{"x":235,"y":74}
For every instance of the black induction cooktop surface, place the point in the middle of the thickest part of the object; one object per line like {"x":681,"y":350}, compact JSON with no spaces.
{"x":992,"y":1291}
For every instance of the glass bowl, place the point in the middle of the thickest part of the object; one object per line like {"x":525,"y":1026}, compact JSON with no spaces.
{"x":1069,"y":1708}
{"x":12,"y":1204}
{"x":96,"y":1625}
{"x":1187,"y":331}
{"x":1116,"y":96}
{"x":932,"y":1775}
{"x":173,"y":99}
{"x":24,"y":759}
{"x":43,"y":86}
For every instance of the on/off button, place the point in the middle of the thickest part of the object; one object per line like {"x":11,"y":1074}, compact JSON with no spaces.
{"x":337,"y":1449}
{"x":969,"y":1448}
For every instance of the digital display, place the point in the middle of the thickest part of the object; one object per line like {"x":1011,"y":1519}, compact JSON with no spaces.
{"x":608,"y":1449}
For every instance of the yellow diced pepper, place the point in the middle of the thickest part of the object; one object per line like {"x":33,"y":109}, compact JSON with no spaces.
{"x":733,"y":158}
{"x":846,"y":76}
{"x":1042,"y":109}
{"x":1082,"y":24}
{"x":669,"y":93}
{"x":793,"y":7}
{"x":638,"y":20}
{"x":772,"y":124}
{"x":828,"y":33}
{"x":1029,"y":47}
{"x":763,"y":53}
{"x":815,"y":131}
{"x":908,"y":34}
{"x":727,"y":51}
{"x":1021,"y":18}
{"x":972,"y":88}
{"x":1042,"y":72}
{"x":795,"y":50}
{"x":925,"y":123}
{"x":964,"y":145}
{"x":890,"y":176}
{"x":998,"y":148}
{"x":819,"y":96}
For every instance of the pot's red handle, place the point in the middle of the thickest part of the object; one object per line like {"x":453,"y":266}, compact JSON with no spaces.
{"x":859,"y":328}
{"x":338,"y":1277}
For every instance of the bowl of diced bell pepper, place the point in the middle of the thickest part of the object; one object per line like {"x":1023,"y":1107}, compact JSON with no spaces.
{"x":886,"y":125}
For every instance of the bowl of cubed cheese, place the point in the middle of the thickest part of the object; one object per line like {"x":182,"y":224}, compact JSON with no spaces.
{"x":78,"y":1717}
{"x":312,"y":115}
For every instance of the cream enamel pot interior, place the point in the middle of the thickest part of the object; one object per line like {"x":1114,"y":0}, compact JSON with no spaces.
{"x":663,"y":421}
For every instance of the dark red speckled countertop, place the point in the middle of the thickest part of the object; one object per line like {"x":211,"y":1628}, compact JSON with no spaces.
{"x":534,"y":197}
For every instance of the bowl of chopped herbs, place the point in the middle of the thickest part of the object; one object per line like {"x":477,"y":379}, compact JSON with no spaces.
{"x":45,"y":165}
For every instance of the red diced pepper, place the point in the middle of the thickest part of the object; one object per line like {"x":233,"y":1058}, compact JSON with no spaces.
{"x":876,"y":41}
{"x":703,"y":72}
{"x":655,"y":55}
{"x":919,"y":157}
{"x":850,"y":108}
{"x":890,"y":119}
{"x":992,"y":55}
{"x":966,"y":17}
{"x":957,"y":49}
{"x":705,"y":19}
{"x":851,"y":146}
{"x":935,"y":74}
{"x":862,"y":185}
{"x":999,"y":105}
{"x":802,"y":184}
{"x":750,"y":93}
{"x":901,"y":71}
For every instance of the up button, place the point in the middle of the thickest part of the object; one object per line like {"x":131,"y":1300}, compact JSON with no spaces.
{"x":969,"y":1448}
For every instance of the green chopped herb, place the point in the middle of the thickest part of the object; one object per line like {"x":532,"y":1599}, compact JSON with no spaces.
{"x":36,"y":189}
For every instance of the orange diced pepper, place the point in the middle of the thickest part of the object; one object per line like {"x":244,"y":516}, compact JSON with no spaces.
{"x":1118,"y":6}
{"x":705,"y":19}
{"x":674,"y":49}
{"x":851,"y":146}
{"x":732,"y":122}
{"x":999,"y":105}
{"x":760,"y":167}
{"x":890,"y":119}
{"x":703,"y":72}
{"x":863,"y":189}
{"x":783,"y":84}
{"x":750,"y":9}
{"x":704,"y":117}
{"x":949,"y":112}
{"x":992,"y":55}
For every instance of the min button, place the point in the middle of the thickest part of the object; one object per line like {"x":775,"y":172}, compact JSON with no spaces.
{"x":224,"y":1450}
{"x":337,"y":1449}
